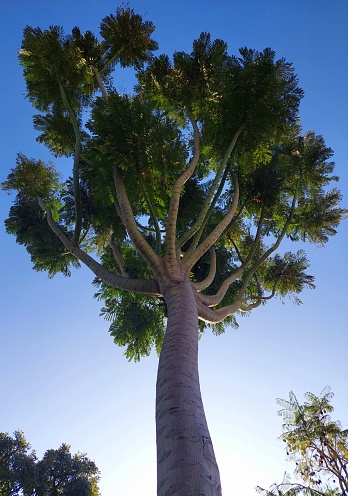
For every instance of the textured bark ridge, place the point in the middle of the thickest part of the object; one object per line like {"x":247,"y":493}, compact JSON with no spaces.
{"x":185,"y":456}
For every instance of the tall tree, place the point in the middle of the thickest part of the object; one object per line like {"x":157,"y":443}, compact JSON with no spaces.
{"x":318,"y":446}
{"x":179,"y":198}
{"x":57,"y":473}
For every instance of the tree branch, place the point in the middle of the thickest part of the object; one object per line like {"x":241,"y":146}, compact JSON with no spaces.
{"x":127,"y":216}
{"x":76,"y":167}
{"x":100,"y":82}
{"x":199,"y":286}
{"x":262,"y":298}
{"x":190,"y":261}
{"x":197,"y":236}
{"x":268,"y":252}
{"x":212,"y":316}
{"x":251,"y":306}
{"x":118,"y":256}
{"x":111,"y":60}
{"x":149,"y":229}
{"x":170,"y":240}
{"x":142,"y":286}
{"x":202,"y":218}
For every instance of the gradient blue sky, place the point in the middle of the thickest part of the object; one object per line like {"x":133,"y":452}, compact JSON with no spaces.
{"x":63,"y":379}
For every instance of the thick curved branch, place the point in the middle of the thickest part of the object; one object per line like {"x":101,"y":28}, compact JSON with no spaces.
{"x":213,"y":316}
{"x":199,"y":286}
{"x":199,"y":232}
{"x":213,"y":300}
{"x":251,"y":306}
{"x":170,"y":241}
{"x":190,"y":261}
{"x":139,"y":242}
{"x":205,"y":211}
{"x":142,"y":286}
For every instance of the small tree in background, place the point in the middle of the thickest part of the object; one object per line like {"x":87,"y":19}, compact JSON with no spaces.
{"x":179,"y":197}
{"x":57,"y":473}
{"x":17,"y":465}
{"x":317,"y":445}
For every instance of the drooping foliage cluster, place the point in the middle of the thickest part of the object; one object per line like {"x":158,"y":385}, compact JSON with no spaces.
{"x":318,"y":446}
{"x":58,"y":472}
{"x":205,"y":162}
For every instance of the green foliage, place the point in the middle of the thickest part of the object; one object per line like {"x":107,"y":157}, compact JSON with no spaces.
{"x":127,"y":38}
{"x":32,"y":178}
{"x":16,"y":464}
{"x":137,"y":321}
{"x":145,"y":144}
{"x":318,"y":446}
{"x":58,"y":472}
{"x":51,"y":60}
{"x":138,"y":324}
{"x":317,"y":217}
{"x":286,"y":274}
{"x":57,"y":132}
{"x":28,"y":223}
{"x":191,"y":80}
{"x":226,"y":92}
{"x":66,"y":474}
{"x":92,"y":50}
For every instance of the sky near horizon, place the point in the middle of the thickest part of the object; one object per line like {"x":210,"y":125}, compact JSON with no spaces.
{"x":63,"y":379}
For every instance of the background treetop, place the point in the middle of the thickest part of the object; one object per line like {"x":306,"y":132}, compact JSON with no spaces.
{"x":58,"y":472}
{"x":318,"y":446}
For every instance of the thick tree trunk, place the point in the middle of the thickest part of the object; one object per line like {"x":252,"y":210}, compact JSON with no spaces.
{"x":186,"y":464}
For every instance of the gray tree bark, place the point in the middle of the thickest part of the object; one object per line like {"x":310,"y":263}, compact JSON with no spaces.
{"x":186,"y":464}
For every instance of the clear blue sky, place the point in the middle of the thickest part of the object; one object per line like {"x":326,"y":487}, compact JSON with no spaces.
{"x":63,"y":379}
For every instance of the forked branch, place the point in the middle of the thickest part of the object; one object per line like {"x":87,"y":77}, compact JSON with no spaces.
{"x":205,"y":210}
{"x":192,"y":259}
{"x":199,"y":233}
{"x":139,"y":242}
{"x":170,"y":249}
{"x":213,"y":300}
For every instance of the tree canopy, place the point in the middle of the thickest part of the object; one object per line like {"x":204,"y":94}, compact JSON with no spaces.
{"x":57,"y":473}
{"x":204,"y":163}
{"x":318,"y":446}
